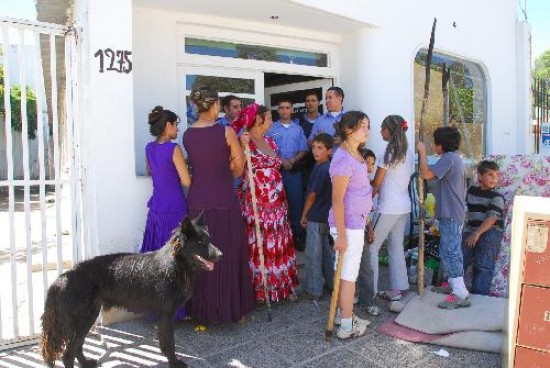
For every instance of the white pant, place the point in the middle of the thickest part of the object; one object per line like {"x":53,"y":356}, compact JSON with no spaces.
{"x":352,"y":255}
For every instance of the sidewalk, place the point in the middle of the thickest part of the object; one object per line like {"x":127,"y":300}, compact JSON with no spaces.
{"x":294,"y":338}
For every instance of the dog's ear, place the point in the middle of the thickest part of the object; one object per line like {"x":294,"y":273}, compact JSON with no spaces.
{"x":199,"y":220}
{"x":187,"y":226}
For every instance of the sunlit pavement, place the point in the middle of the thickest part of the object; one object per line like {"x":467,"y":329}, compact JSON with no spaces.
{"x":294,"y":338}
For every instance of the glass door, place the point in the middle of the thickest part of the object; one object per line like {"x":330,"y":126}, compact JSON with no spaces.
{"x":246,"y":84}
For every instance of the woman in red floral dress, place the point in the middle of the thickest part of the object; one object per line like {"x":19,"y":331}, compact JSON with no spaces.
{"x":278,"y":245}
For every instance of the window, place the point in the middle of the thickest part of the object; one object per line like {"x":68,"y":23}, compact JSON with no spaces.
{"x":254,"y":52}
{"x":241,"y":87}
{"x":467,"y":103}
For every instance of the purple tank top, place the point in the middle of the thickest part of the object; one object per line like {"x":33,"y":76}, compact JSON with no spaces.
{"x":167,"y":190}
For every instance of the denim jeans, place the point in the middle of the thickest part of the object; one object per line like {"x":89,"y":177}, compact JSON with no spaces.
{"x":292,"y":181}
{"x":319,"y":259}
{"x":450,"y":247}
{"x":483,"y":256}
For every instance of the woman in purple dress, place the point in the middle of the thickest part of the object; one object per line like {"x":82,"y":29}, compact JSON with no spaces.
{"x":216,"y":158}
{"x":165,"y":163}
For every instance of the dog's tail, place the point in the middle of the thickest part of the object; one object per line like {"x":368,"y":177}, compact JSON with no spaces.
{"x":52,"y":341}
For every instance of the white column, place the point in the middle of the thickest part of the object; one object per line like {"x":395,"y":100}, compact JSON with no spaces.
{"x":524,"y":117}
{"x":106,"y":118}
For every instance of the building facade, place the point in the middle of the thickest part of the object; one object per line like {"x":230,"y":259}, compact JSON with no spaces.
{"x":135,"y":54}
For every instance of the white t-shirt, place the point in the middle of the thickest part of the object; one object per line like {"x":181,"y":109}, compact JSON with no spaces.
{"x":393,"y":196}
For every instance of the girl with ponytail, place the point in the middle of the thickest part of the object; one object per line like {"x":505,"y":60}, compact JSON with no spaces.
{"x":394,"y":205}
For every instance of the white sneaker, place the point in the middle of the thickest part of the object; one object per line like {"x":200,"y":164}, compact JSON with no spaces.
{"x":338,"y":318}
{"x":358,"y":329}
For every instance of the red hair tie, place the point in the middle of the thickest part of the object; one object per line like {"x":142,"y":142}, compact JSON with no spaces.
{"x":404,"y":125}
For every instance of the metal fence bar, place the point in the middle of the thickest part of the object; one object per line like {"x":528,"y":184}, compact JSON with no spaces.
{"x":11,"y":192}
{"x":541,"y":108}
{"x":7,"y":183}
{"x":63,"y":142}
{"x":69,"y":75}
{"x":26,"y":176}
{"x":57,"y":160}
{"x":39,"y":78}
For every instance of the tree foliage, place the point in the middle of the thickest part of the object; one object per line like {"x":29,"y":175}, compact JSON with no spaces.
{"x":15,"y":102}
{"x":542,"y":66}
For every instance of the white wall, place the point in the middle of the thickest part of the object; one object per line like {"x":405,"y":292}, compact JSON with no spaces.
{"x":381,"y":58}
{"x":112,"y":204}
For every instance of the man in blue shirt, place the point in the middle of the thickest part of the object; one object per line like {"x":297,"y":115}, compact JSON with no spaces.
{"x":307,"y":120}
{"x":325,"y":123}
{"x":291,"y":147}
{"x":232,"y":106}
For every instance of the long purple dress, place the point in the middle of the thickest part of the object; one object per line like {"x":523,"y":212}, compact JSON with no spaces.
{"x":225,"y":294}
{"x":167,"y":205}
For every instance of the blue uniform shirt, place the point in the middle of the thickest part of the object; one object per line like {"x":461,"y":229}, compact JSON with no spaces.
{"x":224,"y":121}
{"x":325,"y":124}
{"x":289,"y":140}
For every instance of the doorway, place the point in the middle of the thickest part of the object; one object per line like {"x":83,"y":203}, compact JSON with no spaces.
{"x":295,"y":88}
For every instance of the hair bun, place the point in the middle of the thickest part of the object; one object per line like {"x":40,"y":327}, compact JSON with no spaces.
{"x":155,"y":114}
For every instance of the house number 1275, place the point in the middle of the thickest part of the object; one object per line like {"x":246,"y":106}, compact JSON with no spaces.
{"x":118,"y":61}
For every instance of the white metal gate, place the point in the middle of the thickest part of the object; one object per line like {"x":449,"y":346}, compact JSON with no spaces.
{"x":40,"y":212}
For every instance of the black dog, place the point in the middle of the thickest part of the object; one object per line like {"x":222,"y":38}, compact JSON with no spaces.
{"x":158,"y":282}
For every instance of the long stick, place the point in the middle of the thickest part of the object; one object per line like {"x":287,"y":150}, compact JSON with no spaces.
{"x":422,"y":215}
{"x":334,"y":298}
{"x":259,"y":240}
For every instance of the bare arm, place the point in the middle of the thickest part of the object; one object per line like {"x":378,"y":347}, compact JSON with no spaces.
{"x":425,"y":171}
{"x":378,"y":180}
{"x":236,"y":161}
{"x":181,"y":167}
{"x":307,"y":205}
{"x":339,"y":186}
{"x":485,"y":226}
{"x":297,"y":157}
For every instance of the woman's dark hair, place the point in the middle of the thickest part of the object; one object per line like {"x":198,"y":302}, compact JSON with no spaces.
{"x":448,"y":138}
{"x":262,"y":110}
{"x":350,"y":120}
{"x":158,"y":117}
{"x":485,"y":166}
{"x":396,"y":150}
{"x":204,"y":98}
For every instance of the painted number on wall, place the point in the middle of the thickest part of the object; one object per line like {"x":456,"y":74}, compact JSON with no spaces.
{"x":117,"y":61}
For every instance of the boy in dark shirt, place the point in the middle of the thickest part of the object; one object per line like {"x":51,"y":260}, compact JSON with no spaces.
{"x":484,"y":226}
{"x":319,"y":254}
{"x":450,"y":192}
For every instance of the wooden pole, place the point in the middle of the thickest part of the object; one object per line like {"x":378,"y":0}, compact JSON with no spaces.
{"x":422,"y":214}
{"x":334,"y":298}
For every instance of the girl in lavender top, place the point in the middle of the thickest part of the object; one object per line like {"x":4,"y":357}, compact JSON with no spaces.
{"x":351,"y":204}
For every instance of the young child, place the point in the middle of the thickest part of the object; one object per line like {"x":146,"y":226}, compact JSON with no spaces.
{"x":351,"y":204}
{"x":165,"y":163}
{"x":450,"y":192}
{"x":484,"y":226}
{"x":319,"y":254}
{"x":370,"y":159}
